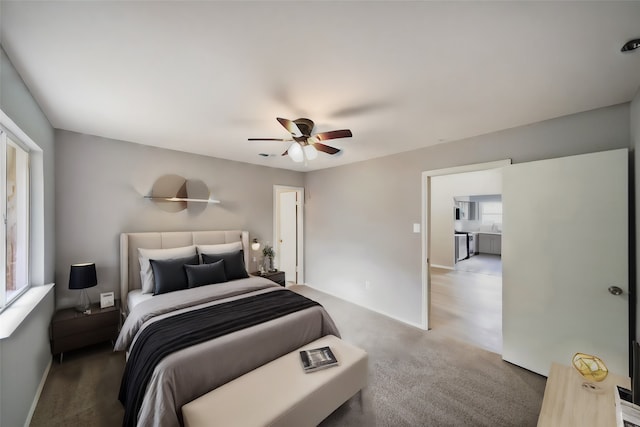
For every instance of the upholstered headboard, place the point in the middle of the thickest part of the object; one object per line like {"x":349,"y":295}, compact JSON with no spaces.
{"x":130,"y":242}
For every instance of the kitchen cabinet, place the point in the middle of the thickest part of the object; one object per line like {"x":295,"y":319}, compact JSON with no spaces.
{"x":468,"y":210}
{"x":490,"y":243}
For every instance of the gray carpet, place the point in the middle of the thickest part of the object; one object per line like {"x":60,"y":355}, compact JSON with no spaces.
{"x":417,"y":378}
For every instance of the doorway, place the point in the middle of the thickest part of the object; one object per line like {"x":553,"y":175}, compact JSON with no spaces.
{"x":465,"y":304}
{"x":288,"y":219}
{"x":437,"y":237}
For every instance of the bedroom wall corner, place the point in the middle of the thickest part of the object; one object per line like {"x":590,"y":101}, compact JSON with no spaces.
{"x":100,"y":189}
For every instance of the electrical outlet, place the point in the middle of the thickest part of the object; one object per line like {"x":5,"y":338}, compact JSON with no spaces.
{"x":367,"y":285}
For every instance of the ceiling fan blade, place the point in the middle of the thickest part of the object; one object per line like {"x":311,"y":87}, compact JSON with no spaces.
{"x":325,"y":148}
{"x":333,"y":134}
{"x":270,"y":139}
{"x":290,"y":126}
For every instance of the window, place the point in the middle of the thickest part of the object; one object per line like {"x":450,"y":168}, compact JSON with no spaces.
{"x":491,"y":212}
{"x":14,"y":227}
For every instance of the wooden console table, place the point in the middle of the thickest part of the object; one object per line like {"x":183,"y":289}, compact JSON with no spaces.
{"x":567,"y":403}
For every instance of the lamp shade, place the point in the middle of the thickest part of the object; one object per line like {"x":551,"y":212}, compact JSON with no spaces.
{"x":83,"y":276}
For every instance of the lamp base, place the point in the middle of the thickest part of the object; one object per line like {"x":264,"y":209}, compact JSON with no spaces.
{"x":85,"y":303}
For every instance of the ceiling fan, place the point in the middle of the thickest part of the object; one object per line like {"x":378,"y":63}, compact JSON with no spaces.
{"x":303,"y":144}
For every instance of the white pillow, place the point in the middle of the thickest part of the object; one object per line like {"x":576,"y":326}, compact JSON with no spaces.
{"x":146,"y":272}
{"x":222,"y":248}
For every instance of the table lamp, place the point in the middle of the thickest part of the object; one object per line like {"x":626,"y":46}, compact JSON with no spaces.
{"x":255,"y":246}
{"x":83,"y":276}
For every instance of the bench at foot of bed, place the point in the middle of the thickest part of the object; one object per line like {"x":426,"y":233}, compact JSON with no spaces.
{"x":280,"y":393}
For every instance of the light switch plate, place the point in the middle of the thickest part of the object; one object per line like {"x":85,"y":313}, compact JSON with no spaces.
{"x":416,"y":228}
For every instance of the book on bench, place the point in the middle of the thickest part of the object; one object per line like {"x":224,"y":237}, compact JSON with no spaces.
{"x":317,"y":358}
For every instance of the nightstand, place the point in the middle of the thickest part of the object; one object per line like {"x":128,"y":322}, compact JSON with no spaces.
{"x":274,"y":276}
{"x":71,"y":329}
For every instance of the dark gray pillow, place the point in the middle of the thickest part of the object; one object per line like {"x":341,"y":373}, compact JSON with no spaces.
{"x":205,"y":274}
{"x":169,"y":275}
{"x":233,"y":263}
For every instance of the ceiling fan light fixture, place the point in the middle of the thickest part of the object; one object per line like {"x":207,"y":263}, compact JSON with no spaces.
{"x":304,"y":145}
{"x":310,"y":152}
{"x":630,"y":45}
{"x":296,"y":153}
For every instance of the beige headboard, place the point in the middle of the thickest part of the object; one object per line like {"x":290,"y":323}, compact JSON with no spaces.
{"x":130,"y":242}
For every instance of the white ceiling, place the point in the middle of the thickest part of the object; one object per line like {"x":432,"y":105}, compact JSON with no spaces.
{"x":202,"y":77}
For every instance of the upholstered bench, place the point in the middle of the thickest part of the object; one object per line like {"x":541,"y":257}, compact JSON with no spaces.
{"x":280,"y":393}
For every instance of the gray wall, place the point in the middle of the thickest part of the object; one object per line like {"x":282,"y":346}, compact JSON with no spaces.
{"x":359,"y":217}
{"x":635,"y":143}
{"x":25,"y":356}
{"x":100,"y":184}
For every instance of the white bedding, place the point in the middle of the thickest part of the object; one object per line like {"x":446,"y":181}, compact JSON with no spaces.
{"x":135,"y":297}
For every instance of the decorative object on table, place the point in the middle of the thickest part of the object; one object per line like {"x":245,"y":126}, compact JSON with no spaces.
{"x":317,"y":358}
{"x":107,"y":299}
{"x":173,"y":193}
{"x":83,"y":276}
{"x":592,"y":368}
{"x":268,"y":254}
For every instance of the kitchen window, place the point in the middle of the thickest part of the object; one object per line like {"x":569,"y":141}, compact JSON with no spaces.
{"x":14,"y":228}
{"x":491,"y":212}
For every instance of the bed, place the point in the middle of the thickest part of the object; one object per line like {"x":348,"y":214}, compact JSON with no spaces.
{"x":254,"y":320}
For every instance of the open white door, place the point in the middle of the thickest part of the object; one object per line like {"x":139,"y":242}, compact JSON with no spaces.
{"x":287,"y":241}
{"x":288,"y":231}
{"x":564,"y":244}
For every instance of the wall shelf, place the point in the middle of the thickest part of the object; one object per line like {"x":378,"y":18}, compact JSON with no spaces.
{"x":181,"y":199}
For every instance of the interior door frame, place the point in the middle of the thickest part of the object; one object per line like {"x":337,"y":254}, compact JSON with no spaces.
{"x":277,"y":189}
{"x":426,"y":217}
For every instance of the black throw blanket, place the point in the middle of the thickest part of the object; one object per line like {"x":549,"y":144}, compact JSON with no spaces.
{"x":175,"y":333}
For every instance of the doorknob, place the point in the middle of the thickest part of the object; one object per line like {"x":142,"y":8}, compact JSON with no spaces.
{"x":614,"y":290}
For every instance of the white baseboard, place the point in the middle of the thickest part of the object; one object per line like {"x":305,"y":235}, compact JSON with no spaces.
{"x":446,"y":267}
{"x":415,"y":325}
{"x":36,"y":398}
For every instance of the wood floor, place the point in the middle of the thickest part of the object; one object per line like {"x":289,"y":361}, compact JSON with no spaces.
{"x":468,"y":306}
{"x":481,"y":263}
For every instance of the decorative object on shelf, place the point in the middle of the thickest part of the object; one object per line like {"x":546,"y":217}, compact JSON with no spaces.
{"x":630,"y":45}
{"x":592,"y":368}
{"x":268,"y":254}
{"x":107,"y":299}
{"x":173,"y":193}
{"x":83,"y":276}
